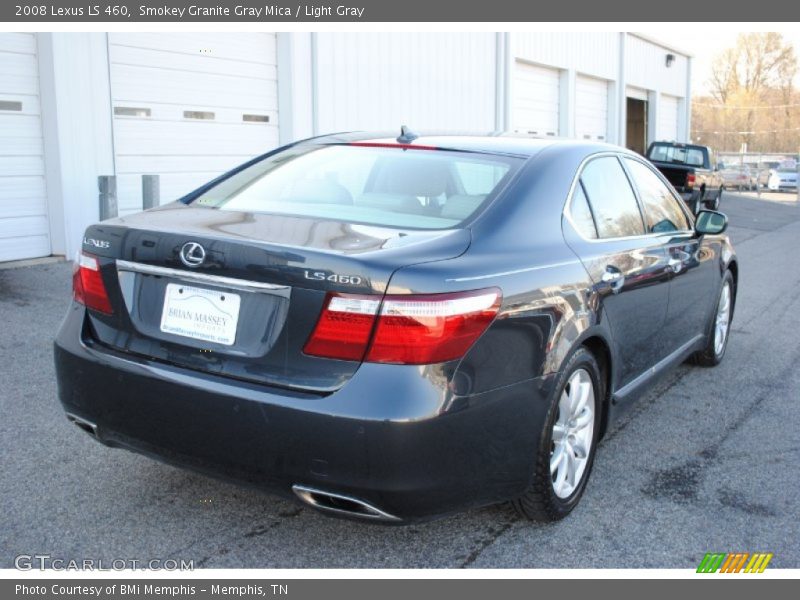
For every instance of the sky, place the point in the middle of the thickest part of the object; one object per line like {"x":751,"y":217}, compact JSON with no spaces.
{"x":705,"y":44}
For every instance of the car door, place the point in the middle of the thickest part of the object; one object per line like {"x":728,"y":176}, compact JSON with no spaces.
{"x":691,"y":264}
{"x":627,"y":266}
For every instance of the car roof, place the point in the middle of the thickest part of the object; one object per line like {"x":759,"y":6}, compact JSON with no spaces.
{"x":491,"y":143}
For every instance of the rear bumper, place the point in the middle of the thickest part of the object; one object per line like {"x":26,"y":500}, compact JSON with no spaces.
{"x":392,"y":437}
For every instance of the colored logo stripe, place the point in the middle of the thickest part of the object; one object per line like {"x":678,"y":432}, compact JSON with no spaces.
{"x":734,"y":562}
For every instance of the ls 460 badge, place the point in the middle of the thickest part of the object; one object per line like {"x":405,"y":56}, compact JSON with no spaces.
{"x":334,"y":278}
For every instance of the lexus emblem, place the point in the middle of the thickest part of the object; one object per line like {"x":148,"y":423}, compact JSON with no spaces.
{"x":192,"y":254}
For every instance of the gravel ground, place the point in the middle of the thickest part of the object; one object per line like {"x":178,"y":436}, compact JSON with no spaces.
{"x":706,"y":462}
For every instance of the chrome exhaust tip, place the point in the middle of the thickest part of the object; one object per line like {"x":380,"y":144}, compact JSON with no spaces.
{"x":340,"y":504}
{"x":83,"y":424}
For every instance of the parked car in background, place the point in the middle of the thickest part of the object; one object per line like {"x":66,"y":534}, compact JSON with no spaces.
{"x":692,"y":170}
{"x":764,"y":171}
{"x":738,"y":177}
{"x":395,"y":328}
{"x":783,"y":179}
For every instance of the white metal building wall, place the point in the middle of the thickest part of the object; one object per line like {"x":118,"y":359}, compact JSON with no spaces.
{"x":189,"y":106}
{"x":535,"y":105}
{"x":424,"y":80}
{"x":24,"y":227}
{"x":591,"y":108}
{"x":646,"y":67}
{"x":668,"y":118}
{"x":592,"y":53}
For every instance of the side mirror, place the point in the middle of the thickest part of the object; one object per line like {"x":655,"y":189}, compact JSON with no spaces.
{"x":710,"y":222}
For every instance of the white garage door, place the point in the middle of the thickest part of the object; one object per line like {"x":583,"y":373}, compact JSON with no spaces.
{"x":536,"y":97}
{"x":24,"y":228}
{"x":591,"y":108}
{"x":668,"y":118}
{"x":188,"y":107}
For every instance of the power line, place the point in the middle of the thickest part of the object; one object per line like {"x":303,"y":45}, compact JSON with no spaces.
{"x":763,"y":106}
{"x":747,"y":132}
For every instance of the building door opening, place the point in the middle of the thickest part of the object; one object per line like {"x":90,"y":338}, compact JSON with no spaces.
{"x":636,"y":125}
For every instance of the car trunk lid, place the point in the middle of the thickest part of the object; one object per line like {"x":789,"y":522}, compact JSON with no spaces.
{"x":247,"y":309}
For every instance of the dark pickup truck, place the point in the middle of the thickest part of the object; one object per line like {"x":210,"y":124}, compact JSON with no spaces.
{"x":692,"y":170}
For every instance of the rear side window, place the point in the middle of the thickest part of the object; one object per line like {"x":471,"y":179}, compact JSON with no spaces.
{"x":374,"y":185}
{"x":582,"y":214}
{"x":661,"y":208}
{"x":616,"y":212}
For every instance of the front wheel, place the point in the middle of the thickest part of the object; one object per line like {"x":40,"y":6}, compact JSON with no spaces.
{"x":714,"y":352}
{"x":567,"y":442}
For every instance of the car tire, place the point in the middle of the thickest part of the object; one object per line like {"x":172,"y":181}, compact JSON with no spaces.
{"x":720,"y":326}
{"x":559,"y":472}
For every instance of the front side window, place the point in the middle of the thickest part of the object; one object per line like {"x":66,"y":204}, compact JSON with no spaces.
{"x":616,"y":212}
{"x":374,"y":185}
{"x":661,"y":208}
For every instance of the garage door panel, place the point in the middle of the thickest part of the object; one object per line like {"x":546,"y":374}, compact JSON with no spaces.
{"x":127,"y":165}
{"x":21,"y":166}
{"x":536,"y":99}
{"x":226,"y":75}
{"x":20,"y":146}
{"x":29,"y":104}
{"x":23,"y":43}
{"x":136,"y":84}
{"x":668,"y":118}
{"x":253,"y":48}
{"x":22,"y":207}
{"x":19,"y":125}
{"x":18,"y":84}
{"x":145,"y":58}
{"x":24,"y":224}
{"x":29,"y":246}
{"x":159,"y":138}
{"x":175,"y":113}
{"x":591,"y":108}
{"x":21,"y":187}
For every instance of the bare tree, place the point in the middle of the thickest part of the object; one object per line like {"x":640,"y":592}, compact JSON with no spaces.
{"x":752,"y":90}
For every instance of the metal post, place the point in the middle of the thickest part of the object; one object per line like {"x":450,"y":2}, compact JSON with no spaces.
{"x":151,"y":195}
{"x":107,"y":186}
{"x":797,"y":164}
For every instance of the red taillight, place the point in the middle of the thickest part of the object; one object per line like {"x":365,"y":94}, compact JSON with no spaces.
{"x":87,"y":284}
{"x":690,"y":179}
{"x":344,"y":327}
{"x":410,"y":329}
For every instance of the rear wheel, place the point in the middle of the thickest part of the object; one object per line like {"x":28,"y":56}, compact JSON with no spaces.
{"x":568,"y":442}
{"x":720,"y":328}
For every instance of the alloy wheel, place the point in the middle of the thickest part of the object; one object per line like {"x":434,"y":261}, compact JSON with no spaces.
{"x":723,"y":319}
{"x":572,"y":434}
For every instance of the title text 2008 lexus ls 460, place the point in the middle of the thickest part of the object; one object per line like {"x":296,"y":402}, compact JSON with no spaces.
{"x":396,"y":329}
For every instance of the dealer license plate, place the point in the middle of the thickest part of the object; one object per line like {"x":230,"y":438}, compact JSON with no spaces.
{"x":201,"y":314}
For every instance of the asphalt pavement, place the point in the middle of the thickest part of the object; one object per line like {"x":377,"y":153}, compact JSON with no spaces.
{"x":707,"y":462}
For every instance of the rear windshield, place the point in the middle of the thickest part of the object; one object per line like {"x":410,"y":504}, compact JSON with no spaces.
{"x":681,"y":155}
{"x":390,"y":187}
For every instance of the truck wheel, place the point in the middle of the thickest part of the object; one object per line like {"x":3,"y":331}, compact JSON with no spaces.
{"x":714,"y":203}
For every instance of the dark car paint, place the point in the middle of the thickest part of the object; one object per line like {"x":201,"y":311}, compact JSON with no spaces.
{"x":416,"y":441}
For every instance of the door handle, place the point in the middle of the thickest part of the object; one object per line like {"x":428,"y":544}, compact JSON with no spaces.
{"x":614,"y":278}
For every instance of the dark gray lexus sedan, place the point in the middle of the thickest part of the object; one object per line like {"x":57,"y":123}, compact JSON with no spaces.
{"x":395,"y":329}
